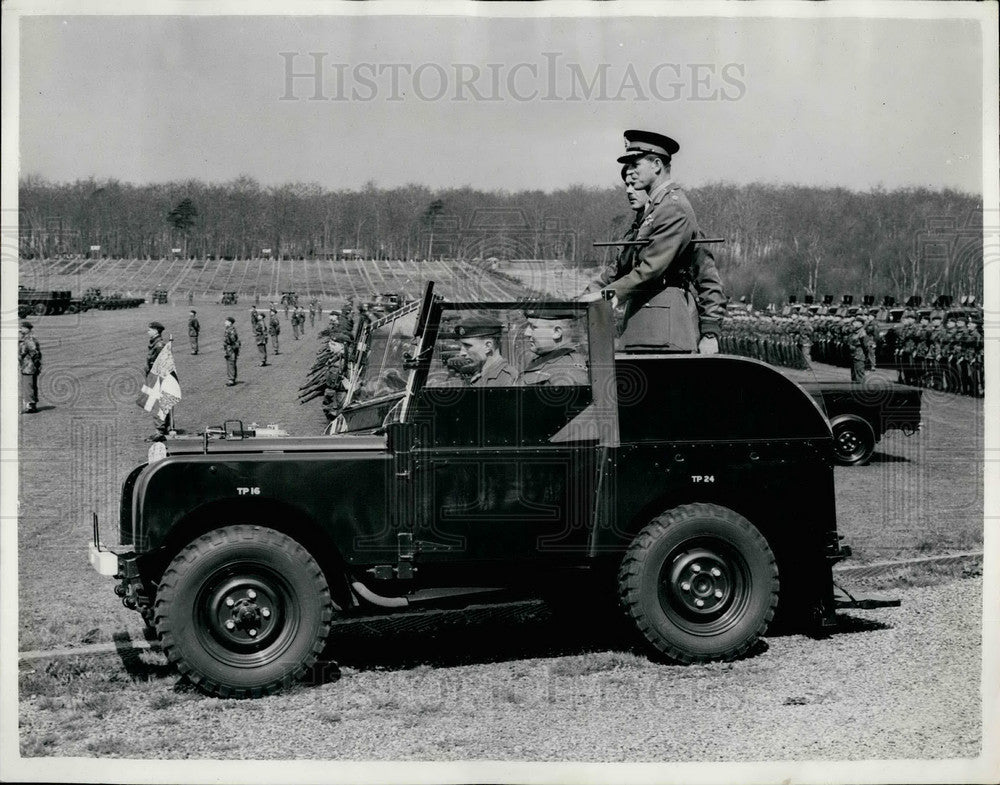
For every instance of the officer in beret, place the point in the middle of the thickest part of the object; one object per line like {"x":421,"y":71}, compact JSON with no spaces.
{"x":479,"y":337}
{"x":156,"y":344}
{"x":194,"y":328}
{"x":550,"y":334}
{"x":29,"y":355}
{"x":260,"y":338}
{"x":671,"y":288}
{"x":231,"y":348}
{"x":274,"y":329}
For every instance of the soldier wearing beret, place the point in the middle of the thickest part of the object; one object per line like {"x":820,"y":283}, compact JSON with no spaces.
{"x":156,"y":344}
{"x":274,"y":328}
{"x":231,"y":348}
{"x":260,"y":338}
{"x":29,"y":355}
{"x":194,"y":328}
{"x":671,"y":290}
{"x":479,"y":337}
{"x":557,"y":361}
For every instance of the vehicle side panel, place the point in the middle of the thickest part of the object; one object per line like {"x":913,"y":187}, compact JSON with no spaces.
{"x":346,"y":494}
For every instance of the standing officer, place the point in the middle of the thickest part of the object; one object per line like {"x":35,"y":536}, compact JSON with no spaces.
{"x":312,"y":312}
{"x":858,"y":346}
{"x":193,"y":329}
{"x":274,"y":328}
{"x":260,"y":337}
{"x":30,"y":359}
{"x":231,"y":348}
{"x":672,"y":294}
{"x":480,"y":337}
{"x":551,"y":338}
{"x":156,"y":344}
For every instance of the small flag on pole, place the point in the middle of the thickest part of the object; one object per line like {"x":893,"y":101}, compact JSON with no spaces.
{"x":162,"y":390}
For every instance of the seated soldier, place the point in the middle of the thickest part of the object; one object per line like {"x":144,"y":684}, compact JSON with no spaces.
{"x":552,"y":337}
{"x":479,"y":337}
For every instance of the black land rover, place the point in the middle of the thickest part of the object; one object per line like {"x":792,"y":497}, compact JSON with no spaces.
{"x":700,"y":488}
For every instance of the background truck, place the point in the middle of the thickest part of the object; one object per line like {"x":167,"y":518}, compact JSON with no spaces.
{"x":675,"y":484}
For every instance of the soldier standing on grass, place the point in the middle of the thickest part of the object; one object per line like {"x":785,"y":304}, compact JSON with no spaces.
{"x":274,"y":328}
{"x":30,"y":359}
{"x":193,"y":329}
{"x":312,"y":313}
{"x":231,"y":348}
{"x":858,"y":346}
{"x":260,"y":336}
{"x":156,"y":344}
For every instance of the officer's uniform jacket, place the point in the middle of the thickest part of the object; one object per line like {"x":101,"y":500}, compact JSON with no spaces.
{"x":231,"y":342}
{"x":496,"y":372}
{"x":564,"y":366}
{"x":274,"y":326}
{"x":156,"y":344}
{"x":260,"y":332}
{"x":193,"y":326}
{"x":29,"y":355}
{"x":671,"y":290}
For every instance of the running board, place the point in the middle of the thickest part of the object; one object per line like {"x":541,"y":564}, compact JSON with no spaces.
{"x":423,"y":595}
{"x":866,"y":603}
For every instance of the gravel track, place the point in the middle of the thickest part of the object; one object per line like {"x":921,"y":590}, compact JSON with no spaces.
{"x":891,"y":683}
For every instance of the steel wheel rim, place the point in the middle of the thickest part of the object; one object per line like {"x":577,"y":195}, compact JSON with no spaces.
{"x":250,"y":596}
{"x":704,"y":586}
{"x":849,"y":444}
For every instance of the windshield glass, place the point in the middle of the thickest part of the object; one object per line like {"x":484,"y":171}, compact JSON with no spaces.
{"x":382,"y":372}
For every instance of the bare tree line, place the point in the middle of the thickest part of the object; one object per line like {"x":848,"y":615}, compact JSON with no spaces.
{"x":781,"y":239}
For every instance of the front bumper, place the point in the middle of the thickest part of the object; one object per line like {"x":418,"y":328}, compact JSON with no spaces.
{"x":105,"y":559}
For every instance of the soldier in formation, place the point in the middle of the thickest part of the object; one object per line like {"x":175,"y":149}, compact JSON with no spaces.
{"x":29,"y":355}
{"x":260,"y":336}
{"x":194,"y":328}
{"x":945,"y":357}
{"x":274,"y":329}
{"x":231,"y":349}
{"x":931,"y":353}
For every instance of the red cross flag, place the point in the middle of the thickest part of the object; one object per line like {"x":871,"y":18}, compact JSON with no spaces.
{"x":162,"y":390}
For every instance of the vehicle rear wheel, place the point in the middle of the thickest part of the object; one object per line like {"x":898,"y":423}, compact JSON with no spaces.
{"x":853,"y":440}
{"x":243,"y":611}
{"x":700,"y":583}
{"x":40,"y":309}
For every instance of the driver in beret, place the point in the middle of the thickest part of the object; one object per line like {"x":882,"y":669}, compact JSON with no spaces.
{"x":480,"y":339}
{"x":551,"y":337}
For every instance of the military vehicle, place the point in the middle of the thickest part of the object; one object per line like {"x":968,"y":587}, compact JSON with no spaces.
{"x":676,"y":483}
{"x":39,"y":303}
{"x":860,"y":415}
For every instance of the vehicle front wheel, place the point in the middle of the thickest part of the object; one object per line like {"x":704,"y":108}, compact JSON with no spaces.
{"x":853,"y":440}
{"x":700,"y":583}
{"x":243,"y":611}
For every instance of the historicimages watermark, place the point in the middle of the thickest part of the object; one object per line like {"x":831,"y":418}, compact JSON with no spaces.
{"x":316,"y":76}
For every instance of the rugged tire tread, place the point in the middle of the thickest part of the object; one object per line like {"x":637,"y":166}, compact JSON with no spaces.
{"x":205,"y":544}
{"x":638,"y":559}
